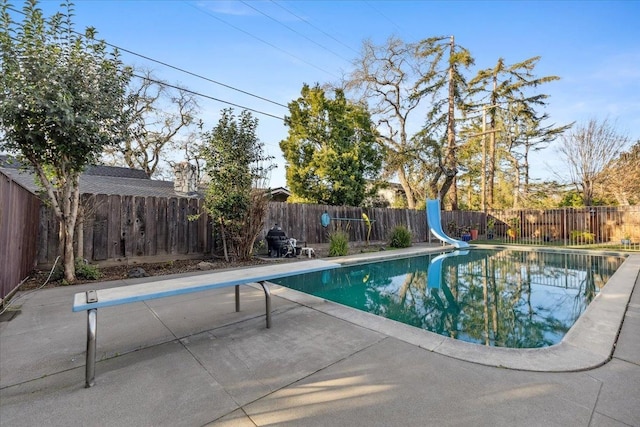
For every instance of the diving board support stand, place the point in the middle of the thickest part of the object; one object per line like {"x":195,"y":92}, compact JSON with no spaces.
{"x":92,"y":332}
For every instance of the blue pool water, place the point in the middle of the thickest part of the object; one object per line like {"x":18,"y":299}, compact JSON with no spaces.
{"x":502,"y":298}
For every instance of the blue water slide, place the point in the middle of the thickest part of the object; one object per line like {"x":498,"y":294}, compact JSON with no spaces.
{"x":435,"y":224}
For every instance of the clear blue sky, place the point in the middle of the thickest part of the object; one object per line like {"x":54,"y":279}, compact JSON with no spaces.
{"x":594,"y":46}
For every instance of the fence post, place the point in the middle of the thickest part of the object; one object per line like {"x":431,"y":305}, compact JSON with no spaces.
{"x":564,"y":234}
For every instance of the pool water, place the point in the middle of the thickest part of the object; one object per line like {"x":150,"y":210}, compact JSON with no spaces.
{"x":501,"y":298}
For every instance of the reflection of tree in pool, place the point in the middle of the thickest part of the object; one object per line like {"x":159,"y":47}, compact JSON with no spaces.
{"x":374,"y":287}
{"x":502,"y":298}
{"x":496,"y":303}
{"x":407,"y":298}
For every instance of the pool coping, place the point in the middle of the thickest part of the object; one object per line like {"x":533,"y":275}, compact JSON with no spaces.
{"x":588,"y":344}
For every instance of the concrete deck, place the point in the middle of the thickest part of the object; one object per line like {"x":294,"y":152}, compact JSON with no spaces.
{"x":192,"y":360}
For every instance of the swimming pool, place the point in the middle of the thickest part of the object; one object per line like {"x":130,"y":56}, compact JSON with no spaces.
{"x":500,"y":297}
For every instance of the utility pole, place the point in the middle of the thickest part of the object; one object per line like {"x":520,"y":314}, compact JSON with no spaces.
{"x":483,"y":134}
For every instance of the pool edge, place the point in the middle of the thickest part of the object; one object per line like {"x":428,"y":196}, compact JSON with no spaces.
{"x":588,"y":344}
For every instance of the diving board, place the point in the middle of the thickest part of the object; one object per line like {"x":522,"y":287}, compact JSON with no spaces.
{"x":90,"y":301}
{"x":434,"y":220}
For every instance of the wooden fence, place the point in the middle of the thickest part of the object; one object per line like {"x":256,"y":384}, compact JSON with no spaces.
{"x":124,"y":227}
{"x":18,"y":233}
{"x":303,"y":222}
{"x":117,"y":228}
{"x":121,"y":227}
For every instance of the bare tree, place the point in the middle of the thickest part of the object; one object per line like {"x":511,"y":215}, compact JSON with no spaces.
{"x":587,"y":150}
{"x":386,"y":76}
{"x":621,"y":178}
{"x":160,"y":112}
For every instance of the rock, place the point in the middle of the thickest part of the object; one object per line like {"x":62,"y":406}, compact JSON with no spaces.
{"x":204,"y":265}
{"x":137,"y":272}
{"x":382,"y":248}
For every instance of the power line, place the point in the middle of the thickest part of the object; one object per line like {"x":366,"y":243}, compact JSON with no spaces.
{"x":313,"y":26}
{"x":207,"y":96}
{"x":260,"y":40}
{"x":196,"y":75}
{"x":175,"y":68}
{"x":295,"y":31}
{"x":383,"y":15}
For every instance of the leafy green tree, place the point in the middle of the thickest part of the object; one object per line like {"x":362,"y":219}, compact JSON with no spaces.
{"x":446,"y":85}
{"x":235,"y":164}
{"x":62,"y":100}
{"x":331,"y":149}
{"x":505,"y":91}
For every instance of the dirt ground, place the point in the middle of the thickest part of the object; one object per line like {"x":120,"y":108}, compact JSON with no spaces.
{"x":116,"y":272}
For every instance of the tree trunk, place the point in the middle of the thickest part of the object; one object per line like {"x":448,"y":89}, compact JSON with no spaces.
{"x":587,"y":192}
{"x":69,"y":259}
{"x":525,"y":168}
{"x":408,"y":191}
{"x":516,"y":187}
{"x":224,"y":240}
{"x":80,"y":234}
{"x":449,"y":181}
{"x":491,"y":173}
{"x":433,"y":185}
{"x":451,"y":159}
{"x":71,"y":200}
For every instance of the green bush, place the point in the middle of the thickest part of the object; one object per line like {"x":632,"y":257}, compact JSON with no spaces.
{"x":400,"y":237}
{"x":338,"y":243}
{"x":577,"y":236}
{"x":87,"y":271}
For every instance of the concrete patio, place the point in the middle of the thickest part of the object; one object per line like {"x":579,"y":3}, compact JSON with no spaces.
{"x":193,"y":361}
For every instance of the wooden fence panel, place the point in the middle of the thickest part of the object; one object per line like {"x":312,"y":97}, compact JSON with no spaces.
{"x":114,"y":227}
{"x":101,"y":244}
{"x":151,"y":229}
{"x":193,"y":228}
{"x":139,"y":227}
{"x":127,"y":210}
{"x":303,"y":222}
{"x":162,"y":227}
{"x":172,"y":225}
{"x":204,"y":236}
{"x":86,"y":226}
{"x":19,"y":223}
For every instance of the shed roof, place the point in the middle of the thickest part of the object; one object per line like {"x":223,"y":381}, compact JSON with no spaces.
{"x":99,"y":179}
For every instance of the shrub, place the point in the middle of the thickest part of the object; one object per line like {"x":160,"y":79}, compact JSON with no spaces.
{"x":400,"y":237}
{"x":577,"y":236}
{"x":87,"y":271}
{"x":338,"y":243}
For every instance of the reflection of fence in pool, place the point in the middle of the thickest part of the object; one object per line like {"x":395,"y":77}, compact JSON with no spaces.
{"x":566,"y":270}
{"x":501,"y":298}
